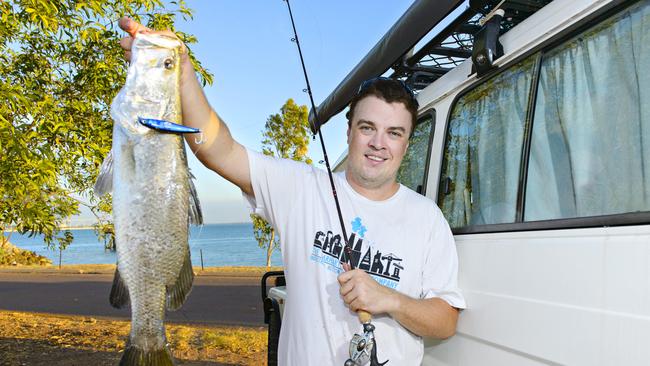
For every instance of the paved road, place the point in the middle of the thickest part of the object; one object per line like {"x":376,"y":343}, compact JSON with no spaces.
{"x":214,"y":300}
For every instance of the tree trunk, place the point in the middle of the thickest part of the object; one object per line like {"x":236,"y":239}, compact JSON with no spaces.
{"x":269,"y":248}
{"x":4,"y":240}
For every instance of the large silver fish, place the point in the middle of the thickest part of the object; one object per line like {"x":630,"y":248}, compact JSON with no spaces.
{"x":154,"y":199}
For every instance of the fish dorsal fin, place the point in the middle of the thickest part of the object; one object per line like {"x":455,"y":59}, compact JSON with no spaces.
{"x":104,"y":183}
{"x":119,"y":292}
{"x":196,"y":215}
{"x":177,"y":293}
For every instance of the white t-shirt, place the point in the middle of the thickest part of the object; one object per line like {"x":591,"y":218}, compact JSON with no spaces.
{"x":403,"y":242}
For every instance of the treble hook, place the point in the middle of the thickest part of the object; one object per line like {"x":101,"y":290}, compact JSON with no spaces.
{"x":200,"y":140}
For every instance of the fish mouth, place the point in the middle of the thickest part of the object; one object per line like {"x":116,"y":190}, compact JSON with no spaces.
{"x":148,"y":40}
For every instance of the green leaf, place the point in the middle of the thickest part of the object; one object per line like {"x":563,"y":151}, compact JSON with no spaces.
{"x":60,"y":67}
{"x":285,"y":135}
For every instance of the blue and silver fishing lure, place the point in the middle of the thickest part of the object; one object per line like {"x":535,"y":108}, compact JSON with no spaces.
{"x":166,"y":126}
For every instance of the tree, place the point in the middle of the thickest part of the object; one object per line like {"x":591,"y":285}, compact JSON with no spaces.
{"x":60,"y":67}
{"x":285,"y":135}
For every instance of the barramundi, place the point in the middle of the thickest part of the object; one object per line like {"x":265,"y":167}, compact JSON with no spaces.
{"x":154,"y":199}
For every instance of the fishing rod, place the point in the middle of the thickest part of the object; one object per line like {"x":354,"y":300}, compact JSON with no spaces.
{"x":295,"y":39}
{"x":362,"y":347}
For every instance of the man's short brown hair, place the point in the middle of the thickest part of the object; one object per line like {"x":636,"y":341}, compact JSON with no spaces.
{"x":388,"y":90}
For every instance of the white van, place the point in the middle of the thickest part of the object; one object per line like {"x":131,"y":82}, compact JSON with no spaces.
{"x":536,"y":147}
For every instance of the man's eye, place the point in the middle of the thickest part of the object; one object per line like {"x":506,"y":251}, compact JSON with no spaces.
{"x":395,"y":134}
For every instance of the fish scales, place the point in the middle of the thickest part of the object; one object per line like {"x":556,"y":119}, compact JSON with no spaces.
{"x":152,"y":190}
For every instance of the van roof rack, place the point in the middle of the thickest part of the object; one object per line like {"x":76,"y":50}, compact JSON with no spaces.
{"x":446,"y":50}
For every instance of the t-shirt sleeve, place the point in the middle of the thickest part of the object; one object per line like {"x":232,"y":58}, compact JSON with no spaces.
{"x":441,"y":266}
{"x":276,"y":185}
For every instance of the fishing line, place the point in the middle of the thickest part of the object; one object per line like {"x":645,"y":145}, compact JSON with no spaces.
{"x":363,"y":347}
{"x":348,"y":246}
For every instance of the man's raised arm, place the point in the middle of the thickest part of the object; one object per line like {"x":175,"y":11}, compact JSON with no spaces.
{"x":218,"y":150}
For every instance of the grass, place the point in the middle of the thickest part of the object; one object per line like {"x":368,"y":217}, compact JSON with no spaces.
{"x":65,"y":336}
{"x":239,"y":341}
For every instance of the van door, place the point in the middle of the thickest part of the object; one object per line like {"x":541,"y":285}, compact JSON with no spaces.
{"x":545,"y":181}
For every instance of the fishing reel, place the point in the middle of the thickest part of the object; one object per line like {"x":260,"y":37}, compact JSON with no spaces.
{"x":362,"y":348}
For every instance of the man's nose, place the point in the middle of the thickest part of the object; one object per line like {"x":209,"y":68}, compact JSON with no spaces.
{"x":377,"y":141}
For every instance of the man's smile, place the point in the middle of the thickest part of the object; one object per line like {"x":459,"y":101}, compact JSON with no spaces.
{"x":375,"y":158}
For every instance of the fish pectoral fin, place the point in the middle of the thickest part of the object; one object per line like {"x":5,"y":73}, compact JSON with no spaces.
{"x":177,"y":293}
{"x":119,"y":292}
{"x":196,"y":215}
{"x":104,"y":183}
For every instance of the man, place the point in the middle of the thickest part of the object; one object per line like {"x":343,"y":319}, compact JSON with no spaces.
{"x":403,"y":249}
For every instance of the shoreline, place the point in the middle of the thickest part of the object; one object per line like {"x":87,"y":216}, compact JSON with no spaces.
{"x":225,"y":271}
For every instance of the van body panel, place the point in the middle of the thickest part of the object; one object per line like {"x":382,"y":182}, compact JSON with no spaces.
{"x":547,"y":297}
{"x":566,"y":297}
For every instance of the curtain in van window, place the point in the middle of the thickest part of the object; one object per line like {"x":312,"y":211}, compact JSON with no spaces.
{"x":411,"y":172}
{"x":590,"y":151}
{"x":481,"y":163}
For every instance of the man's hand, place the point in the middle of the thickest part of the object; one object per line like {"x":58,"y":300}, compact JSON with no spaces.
{"x":131,"y":27}
{"x":431,"y":317}
{"x":361,"y":292}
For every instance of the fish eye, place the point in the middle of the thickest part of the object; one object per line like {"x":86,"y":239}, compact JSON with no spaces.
{"x":168,"y":63}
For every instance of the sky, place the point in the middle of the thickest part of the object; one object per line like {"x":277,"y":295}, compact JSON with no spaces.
{"x":246,"y":46}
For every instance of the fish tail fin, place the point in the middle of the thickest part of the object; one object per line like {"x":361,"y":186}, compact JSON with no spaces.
{"x":135,"y":356}
{"x":177,"y":293}
{"x":119,"y":292}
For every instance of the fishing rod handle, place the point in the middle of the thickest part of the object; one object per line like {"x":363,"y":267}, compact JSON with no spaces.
{"x":364,"y":316}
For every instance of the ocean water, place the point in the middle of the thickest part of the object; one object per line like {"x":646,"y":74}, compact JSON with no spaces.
{"x":221,"y":244}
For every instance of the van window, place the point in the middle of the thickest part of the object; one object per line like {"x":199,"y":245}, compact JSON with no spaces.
{"x":412,"y":172}
{"x":590,"y":147}
{"x":482,"y":155}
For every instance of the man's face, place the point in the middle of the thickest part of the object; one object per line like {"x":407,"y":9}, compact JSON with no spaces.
{"x":377,"y":141}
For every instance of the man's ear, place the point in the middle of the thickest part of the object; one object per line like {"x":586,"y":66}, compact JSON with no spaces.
{"x":348,"y":133}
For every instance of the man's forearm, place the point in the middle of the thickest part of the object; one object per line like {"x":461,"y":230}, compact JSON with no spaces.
{"x":425,"y":317}
{"x":197,"y":113}
{"x":217,"y":149}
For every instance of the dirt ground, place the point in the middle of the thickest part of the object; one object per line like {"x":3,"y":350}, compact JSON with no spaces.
{"x":35,"y":339}
{"x":41,"y":339}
